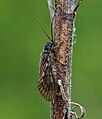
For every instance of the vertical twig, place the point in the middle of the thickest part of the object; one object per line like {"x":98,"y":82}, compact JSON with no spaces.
{"x":64,"y":13}
{"x":51,"y":9}
{"x":63,"y":31}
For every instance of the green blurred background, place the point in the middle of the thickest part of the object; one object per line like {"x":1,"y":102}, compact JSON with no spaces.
{"x":21,"y":42}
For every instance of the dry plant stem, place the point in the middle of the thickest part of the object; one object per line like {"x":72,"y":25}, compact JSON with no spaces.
{"x":82,"y":110}
{"x":50,"y":9}
{"x":63,"y":34}
{"x":64,"y":13}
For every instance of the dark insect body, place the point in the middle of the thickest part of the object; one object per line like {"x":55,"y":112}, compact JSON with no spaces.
{"x":46,"y":83}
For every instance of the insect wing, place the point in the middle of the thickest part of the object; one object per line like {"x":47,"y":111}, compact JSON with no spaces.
{"x":46,"y":82}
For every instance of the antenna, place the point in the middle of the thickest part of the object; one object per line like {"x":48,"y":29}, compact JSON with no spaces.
{"x":43,"y":28}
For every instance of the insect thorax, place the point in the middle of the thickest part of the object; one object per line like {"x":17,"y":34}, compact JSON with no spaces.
{"x":49,"y":46}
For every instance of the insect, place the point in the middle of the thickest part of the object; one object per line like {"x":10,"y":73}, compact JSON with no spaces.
{"x":46,"y":83}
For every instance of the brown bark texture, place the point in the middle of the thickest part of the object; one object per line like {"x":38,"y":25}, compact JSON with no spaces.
{"x":64,"y":14}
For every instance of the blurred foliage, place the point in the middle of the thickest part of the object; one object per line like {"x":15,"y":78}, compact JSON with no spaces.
{"x":21,"y":42}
